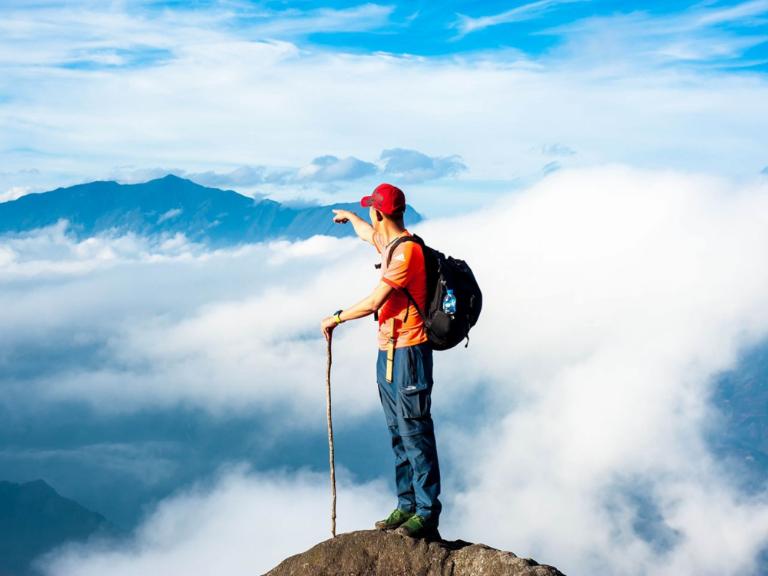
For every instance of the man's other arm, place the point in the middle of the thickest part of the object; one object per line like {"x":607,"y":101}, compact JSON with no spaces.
{"x":362,"y":228}
{"x":366,"y":306}
{"x":369,"y":304}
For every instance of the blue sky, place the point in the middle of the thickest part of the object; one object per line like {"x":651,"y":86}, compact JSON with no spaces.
{"x":130,"y":90}
{"x":535,"y":28}
{"x":539,"y":28}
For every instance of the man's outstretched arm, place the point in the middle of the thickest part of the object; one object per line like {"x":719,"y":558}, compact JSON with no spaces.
{"x":365,"y":307}
{"x":362,"y":228}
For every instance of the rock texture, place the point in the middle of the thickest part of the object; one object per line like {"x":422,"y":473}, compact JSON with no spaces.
{"x":373,"y":553}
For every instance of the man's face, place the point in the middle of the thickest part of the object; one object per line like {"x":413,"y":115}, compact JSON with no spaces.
{"x":372,"y":216}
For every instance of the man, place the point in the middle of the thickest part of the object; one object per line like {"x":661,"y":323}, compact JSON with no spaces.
{"x":404,"y":364}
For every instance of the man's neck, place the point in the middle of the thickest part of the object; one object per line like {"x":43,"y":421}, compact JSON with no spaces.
{"x":389,"y":233}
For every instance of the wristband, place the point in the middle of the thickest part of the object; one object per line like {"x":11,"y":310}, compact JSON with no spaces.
{"x":337,"y":317}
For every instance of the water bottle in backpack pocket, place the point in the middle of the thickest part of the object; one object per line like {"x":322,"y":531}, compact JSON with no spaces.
{"x":454,"y":299}
{"x":449,"y":303}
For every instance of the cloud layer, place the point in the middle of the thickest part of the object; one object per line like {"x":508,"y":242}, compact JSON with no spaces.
{"x":612,"y":296}
{"x":243,"y":524}
{"x":248,"y":334}
{"x":620,"y":295}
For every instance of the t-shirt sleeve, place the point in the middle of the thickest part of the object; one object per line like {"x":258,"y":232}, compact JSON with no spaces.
{"x":396,"y":275}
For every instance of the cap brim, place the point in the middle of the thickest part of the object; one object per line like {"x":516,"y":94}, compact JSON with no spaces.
{"x":366,"y":201}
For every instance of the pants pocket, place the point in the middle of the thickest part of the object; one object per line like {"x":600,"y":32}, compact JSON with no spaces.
{"x":415,"y":383}
{"x":416,"y":404}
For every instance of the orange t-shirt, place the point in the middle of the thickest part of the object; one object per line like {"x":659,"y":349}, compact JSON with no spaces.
{"x":406,"y":270}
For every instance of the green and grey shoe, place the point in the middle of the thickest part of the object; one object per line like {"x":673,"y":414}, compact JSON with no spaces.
{"x":417,"y":527}
{"x":393,"y":520}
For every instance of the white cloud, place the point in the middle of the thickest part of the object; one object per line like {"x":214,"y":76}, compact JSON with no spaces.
{"x":172,"y":213}
{"x":13,"y":193}
{"x":413,"y":166}
{"x":728,"y":14}
{"x":322,"y":169}
{"x":620,"y":294}
{"x":467,"y":24}
{"x":51,"y":251}
{"x":329,"y":168}
{"x":556,"y":149}
{"x":247,"y":336}
{"x":296,"y":23}
{"x":406,"y":165}
{"x":243,"y":524}
{"x":704,"y":34}
{"x":610,"y":92}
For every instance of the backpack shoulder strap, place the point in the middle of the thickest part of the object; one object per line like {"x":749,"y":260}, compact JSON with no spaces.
{"x":415,"y":305}
{"x":412,"y":238}
{"x":420,"y":242}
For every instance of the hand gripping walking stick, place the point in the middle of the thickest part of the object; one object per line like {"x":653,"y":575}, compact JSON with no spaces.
{"x":330,"y":436}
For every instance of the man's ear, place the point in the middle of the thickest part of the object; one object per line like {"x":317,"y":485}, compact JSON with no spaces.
{"x":379,"y":216}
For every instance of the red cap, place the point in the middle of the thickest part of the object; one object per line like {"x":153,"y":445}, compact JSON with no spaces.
{"x":385,"y":198}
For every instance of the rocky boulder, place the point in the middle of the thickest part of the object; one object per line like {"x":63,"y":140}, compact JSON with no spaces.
{"x":374,"y":553}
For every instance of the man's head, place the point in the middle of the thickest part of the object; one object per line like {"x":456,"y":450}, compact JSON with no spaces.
{"x":386,"y":202}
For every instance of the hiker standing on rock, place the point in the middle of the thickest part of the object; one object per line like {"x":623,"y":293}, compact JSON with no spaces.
{"x":404,"y":364}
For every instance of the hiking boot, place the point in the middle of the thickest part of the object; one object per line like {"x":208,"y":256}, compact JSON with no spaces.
{"x":418,"y":527}
{"x":393,"y":520}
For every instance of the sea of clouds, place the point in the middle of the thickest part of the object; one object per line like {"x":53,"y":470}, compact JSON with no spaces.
{"x":612,"y":298}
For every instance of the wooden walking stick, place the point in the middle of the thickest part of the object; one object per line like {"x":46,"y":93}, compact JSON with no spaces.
{"x":330,"y":437}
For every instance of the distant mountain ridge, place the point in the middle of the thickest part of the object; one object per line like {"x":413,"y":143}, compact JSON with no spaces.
{"x":34,"y":519}
{"x":171,"y":205}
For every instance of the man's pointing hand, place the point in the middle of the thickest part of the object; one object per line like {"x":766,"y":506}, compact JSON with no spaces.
{"x":341,"y":216}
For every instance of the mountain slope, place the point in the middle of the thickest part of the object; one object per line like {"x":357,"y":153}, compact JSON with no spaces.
{"x":34,"y":518}
{"x":374,"y":553}
{"x":170,"y":205}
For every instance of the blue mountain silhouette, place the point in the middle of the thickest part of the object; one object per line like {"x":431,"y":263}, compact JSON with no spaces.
{"x":34,"y":519}
{"x":169,"y":205}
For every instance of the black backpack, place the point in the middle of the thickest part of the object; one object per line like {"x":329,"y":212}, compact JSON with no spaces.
{"x":443,"y":273}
